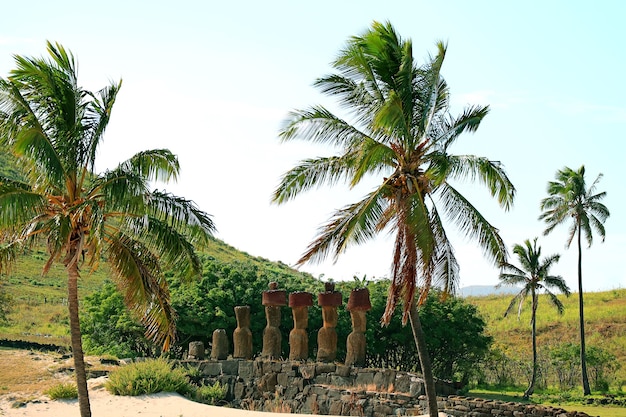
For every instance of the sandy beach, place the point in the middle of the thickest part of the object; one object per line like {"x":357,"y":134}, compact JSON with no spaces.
{"x":104,"y":404}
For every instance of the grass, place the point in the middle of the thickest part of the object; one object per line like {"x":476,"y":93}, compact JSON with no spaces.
{"x":573,"y":404}
{"x":605,"y":323}
{"x":62,"y":391}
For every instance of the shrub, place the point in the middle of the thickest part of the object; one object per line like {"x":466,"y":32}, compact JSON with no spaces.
{"x":148,"y":377}
{"x":62,"y":391}
{"x":211,"y":394}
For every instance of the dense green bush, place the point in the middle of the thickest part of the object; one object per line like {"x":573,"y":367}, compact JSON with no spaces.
{"x":148,"y":377}
{"x":109,"y":328}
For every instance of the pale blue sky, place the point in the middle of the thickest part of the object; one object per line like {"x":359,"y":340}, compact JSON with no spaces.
{"x":212,"y":81}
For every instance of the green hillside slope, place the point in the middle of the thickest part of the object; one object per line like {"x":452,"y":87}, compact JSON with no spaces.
{"x":605,"y":326}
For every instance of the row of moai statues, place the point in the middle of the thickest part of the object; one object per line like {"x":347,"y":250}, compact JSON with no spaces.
{"x":273,"y":300}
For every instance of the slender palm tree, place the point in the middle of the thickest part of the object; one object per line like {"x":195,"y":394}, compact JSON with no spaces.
{"x":54,"y":127}
{"x":401,"y":129}
{"x":533,"y":275}
{"x":570,"y":200}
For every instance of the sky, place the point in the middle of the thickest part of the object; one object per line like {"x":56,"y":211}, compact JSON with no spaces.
{"x":213,"y":81}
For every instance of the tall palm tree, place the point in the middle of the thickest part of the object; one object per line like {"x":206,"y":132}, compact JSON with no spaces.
{"x":534,"y":277}
{"x":401,"y":130}
{"x":570,"y":200}
{"x":54,"y":127}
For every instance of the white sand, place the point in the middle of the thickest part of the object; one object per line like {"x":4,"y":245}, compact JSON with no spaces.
{"x":104,"y":404}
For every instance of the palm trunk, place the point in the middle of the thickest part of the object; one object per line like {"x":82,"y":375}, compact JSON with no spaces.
{"x":583,"y":355}
{"x":531,"y":388}
{"x":77,"y":345}
{"x":427,"y":370}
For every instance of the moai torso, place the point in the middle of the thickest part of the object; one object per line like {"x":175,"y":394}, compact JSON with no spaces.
{"x":242,"y":336}
{"x":327,"y":335}
{"x":272,"y":300}
{"x":298,"y":337}
{"x":358,"y":305}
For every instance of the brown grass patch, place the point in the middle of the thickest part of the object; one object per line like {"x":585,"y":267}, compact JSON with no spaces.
{"x":27,"y":374}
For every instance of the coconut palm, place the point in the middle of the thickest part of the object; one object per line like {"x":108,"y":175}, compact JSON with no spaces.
{"x":570,"y":201}
{"x":533,"y":275}
{"x":54,"y":128}
{"x":401,"y":130}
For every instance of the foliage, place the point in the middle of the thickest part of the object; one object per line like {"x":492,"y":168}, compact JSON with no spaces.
{"x":457,"y":338}
{"x":509,"y":357}
{"x":54,"y":127}
{"x":208,"y":304}
{"x":400,"y":130}
{"x":62,"y":391}
{"x":148,"y":377}
{"x":109,"y":328}
{"x":210,"y":394}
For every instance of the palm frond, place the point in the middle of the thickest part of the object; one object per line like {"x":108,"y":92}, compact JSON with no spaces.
{"x":473,"y":224}
{"x":489,"y":173}
{"x":319,"y":125}
{"x":181,"y":214}
{"x":143,"y":285}
{"x":312,"y":173}
{"x":153,"y":165}
{"x":353,"y":224}
{"x":18,"y":204}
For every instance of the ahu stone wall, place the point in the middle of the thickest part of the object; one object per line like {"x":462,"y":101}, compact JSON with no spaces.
{"x":340,"y":390}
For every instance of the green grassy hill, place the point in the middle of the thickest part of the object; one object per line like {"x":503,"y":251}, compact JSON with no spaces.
{"x":38,"y":312}
{"x":605,"y":324}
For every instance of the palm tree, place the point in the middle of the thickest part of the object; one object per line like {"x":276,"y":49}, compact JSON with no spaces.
{"x":570,"y":200}
{"x":401,"y":130}
{"x":54,"y":127}
{"x":534,"y":276}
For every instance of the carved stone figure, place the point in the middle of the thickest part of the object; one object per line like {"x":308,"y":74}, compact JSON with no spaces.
{"x":298,"y":337}
{"x":272,"y":300}
{"x":220,"y":345}
{"x":196,"y":351}
{"x":358,"y":305}
{"x":329,"y":300}
{"x":242,"y":336}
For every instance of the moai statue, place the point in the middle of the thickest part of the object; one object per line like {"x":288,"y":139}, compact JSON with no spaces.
{"x":196,"y":351}
{"x":242,"y":336}
{"x":272,"y":300}
{"x":220,"y":345}
{"x":329,"y":300}
{"x":298,"y":337}
{"x":358,"y":305}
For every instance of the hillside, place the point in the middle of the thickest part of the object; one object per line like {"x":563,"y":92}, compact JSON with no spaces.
{"x":39,"y":314}
{"x":605,"y":325}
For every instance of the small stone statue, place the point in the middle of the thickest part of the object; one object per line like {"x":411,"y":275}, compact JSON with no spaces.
{"x":298,"y":337}
{"x":329,"y":300}
{"x":358,"y":305}
{"x":196,"y":351}
{"x":242,"y":336}
{"x":220,"y":345}
{"x":272,"y":300}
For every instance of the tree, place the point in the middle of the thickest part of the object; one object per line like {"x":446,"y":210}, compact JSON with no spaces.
{"x":569,"y":199}
{"x":402,"y":130}
{"x":109,"y":328}
{"x":456,"y":336}
{"x":54,"y":128}
{"x":534,"y":277}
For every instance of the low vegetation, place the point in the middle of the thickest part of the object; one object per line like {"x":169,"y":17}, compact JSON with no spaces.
{"x":62,"y":391}
{"x":148,"y":377}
